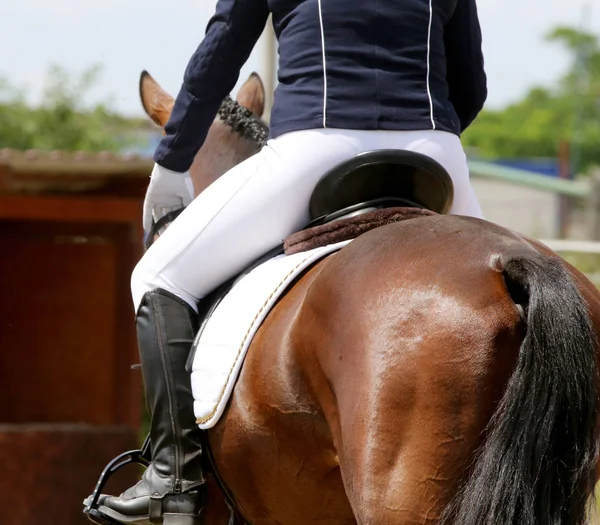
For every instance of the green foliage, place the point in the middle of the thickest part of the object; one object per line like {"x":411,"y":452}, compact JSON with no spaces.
{"x":569,"y":112}
{"x":62,"y":120}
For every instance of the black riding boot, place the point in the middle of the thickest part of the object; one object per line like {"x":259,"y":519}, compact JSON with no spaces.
{"x":171,"y":490}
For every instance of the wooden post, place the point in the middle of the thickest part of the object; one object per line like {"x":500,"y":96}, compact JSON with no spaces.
{"x":270,"y":58}
{"x":564,"y":202}
{"x":593,"y":206}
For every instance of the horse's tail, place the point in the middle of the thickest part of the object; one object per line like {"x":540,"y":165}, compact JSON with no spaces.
{"x":537,"y":464}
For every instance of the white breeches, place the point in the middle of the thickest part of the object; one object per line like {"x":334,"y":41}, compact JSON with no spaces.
{"x":254,"y":206}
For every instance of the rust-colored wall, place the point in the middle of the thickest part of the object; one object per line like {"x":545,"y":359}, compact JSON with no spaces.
{"x":69,"y":400}
{"x":66,"y":337}
{"x":58,"y":317}
{"x":47,"y":471}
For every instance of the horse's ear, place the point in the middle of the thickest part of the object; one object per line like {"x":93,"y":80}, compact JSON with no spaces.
{"x":157,"y":103}
{"x":252,"y":95}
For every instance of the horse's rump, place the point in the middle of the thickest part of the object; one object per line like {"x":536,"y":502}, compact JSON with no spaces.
{"x":370,"y":384}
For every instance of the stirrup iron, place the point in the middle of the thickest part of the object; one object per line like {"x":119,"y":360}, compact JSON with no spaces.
{"x":139,"y":457}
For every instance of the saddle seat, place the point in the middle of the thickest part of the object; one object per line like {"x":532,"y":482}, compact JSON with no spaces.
{"x":381,"y":179}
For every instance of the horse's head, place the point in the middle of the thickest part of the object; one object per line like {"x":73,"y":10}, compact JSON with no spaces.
{"x":235,"y":135}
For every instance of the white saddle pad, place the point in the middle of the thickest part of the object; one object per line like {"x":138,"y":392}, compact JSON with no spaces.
{"x":227,"y":335}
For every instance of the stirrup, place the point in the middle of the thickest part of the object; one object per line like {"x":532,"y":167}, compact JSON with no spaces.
{"x":140,"y":457}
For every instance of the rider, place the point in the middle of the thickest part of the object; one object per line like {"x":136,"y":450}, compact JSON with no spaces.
{"x":353,"y":76}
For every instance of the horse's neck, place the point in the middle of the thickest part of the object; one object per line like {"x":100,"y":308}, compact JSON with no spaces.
{"x":222,"y":150}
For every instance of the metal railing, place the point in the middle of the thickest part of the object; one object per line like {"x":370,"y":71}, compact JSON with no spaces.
{"x":568,"y":188}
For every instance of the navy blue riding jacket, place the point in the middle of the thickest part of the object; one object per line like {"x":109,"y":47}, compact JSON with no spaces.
{"x":353,"y":64}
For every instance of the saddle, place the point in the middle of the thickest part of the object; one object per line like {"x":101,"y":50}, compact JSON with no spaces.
{"x":363,"y":193}
{"x":369,"y":191}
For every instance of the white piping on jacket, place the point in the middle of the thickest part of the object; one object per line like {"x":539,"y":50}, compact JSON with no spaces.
{"x":324,"y":66}
{"x":428,"y":63}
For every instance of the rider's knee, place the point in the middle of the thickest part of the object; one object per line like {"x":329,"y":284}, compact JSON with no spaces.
{"x":144,"y":279}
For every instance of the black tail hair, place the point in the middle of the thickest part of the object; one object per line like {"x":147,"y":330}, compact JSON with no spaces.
{"x":537,"y":465}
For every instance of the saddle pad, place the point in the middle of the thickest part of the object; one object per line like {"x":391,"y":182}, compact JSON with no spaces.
{"x":222,"y":346}
{"x":349,"y":228}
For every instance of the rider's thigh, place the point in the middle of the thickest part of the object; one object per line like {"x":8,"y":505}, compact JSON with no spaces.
{"x":248,"y":211}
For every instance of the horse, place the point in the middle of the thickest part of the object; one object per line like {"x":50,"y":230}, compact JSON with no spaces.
{"x":439,"y":370}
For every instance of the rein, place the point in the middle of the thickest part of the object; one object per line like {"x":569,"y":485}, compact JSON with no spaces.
{"x":160,"y":226}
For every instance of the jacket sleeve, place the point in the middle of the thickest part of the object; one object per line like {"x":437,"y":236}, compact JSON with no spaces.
{"x":211,"y":74}
{"x":465,"y":64}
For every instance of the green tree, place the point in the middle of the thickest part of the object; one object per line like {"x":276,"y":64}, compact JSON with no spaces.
{"x":568,"y":111}
{"x":62,"y":120}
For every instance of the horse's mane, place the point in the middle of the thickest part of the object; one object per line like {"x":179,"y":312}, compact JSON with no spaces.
{"x":243,"y":121}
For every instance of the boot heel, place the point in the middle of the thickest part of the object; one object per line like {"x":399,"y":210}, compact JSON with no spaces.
{"x":181,"y":519}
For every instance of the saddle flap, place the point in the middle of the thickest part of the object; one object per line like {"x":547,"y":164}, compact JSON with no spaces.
{"x":221,"y":347}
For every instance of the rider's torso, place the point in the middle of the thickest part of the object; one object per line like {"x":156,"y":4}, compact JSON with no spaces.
{"x":379,"y":65}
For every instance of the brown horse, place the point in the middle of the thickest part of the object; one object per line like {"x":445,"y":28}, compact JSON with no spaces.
{"x":437,"y":370}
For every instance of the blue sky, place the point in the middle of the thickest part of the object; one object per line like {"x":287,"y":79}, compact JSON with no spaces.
{"x":126,"y":37}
